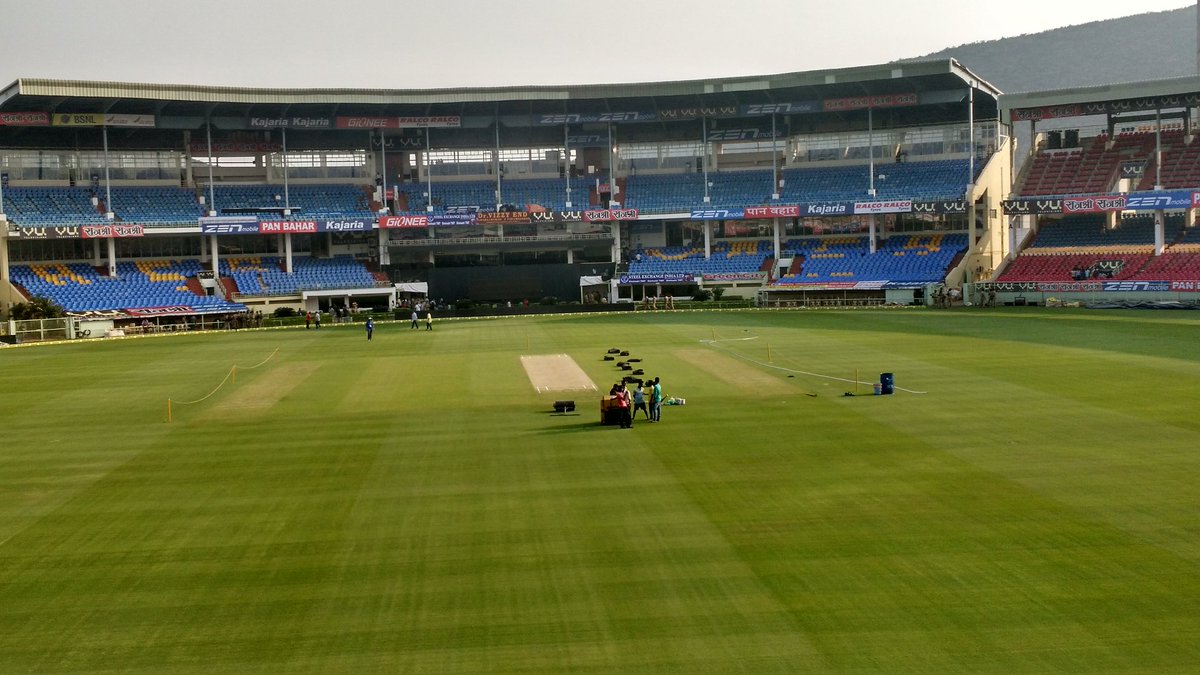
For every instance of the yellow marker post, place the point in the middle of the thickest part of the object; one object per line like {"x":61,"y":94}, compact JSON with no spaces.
{"x":769,"y":353}
{"x":234,"y":373}
{"x":168,"y":411}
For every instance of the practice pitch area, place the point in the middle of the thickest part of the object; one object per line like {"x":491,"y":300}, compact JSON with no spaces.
{"x":411,"y":504}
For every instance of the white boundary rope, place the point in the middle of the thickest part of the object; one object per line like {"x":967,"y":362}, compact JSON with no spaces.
{"x":713,"y":344}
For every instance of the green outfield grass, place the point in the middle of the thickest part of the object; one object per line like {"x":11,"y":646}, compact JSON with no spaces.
{"x":410,"y":505}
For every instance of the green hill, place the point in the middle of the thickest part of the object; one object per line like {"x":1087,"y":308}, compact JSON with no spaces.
{"x":1150,"y":46}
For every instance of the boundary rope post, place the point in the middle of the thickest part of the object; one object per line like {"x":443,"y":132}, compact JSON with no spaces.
{"x":169,"y":411}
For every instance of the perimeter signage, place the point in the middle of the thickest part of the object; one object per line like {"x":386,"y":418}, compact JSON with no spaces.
{"x":24,"y":119}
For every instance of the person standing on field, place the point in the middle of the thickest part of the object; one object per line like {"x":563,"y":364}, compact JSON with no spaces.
{"x":414,"y":321}
{"x":370,"y":328}
{"x":639,"y":402}
{"x":656,"y":402}
{"x":428,"y":320}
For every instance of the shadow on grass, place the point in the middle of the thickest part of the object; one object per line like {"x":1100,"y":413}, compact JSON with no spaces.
{"x":578,"y":423}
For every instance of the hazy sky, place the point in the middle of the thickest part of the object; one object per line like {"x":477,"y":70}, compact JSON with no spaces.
{"x":458,"y":43}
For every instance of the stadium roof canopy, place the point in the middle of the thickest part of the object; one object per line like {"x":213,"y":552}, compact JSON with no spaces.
{"x":1114,"y":99}
{"x":900,"y":94}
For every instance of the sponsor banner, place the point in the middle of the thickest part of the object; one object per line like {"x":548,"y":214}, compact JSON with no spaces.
{"x":102,"y":120}
{"x":1099,"y":204}
{"x":711,"y":112}
{"x":780,"y":108}
{"x":1107,"y":107}
{"x":289,"y":123}
{"x":587,"y":141}
{"x":1185,"y":286}
{"x":556,"y":217}
{"x":897,"y":206}
{"x":463,"y":219}
{"x":234,"y":148}
{"x":902,"y":285}
{"x":1135,"y":169}
{"x":1015,"y":287}
{"x":559,"y":119}
{"x":945,"y":207}
{"x":659,"y":278}
{"x":606,"y":215}
{"x":832,"y":209}
{"x":56,"y":232}
{"x":498,"y":218}
{"x":717,"y":214}
{"x":346,"y":225}
{"x":864,"y":102}
{"x":752,"y":212}
{"x":24,"y":119}
{"x":433,"y":122}
{"x":383,"y":122}
{"x":402,"y":222}
{"x":287,"y":226}
{"x":744,"y":134}
{"x":160,"y":311}
{"x":735,"y":276}
{"x":1069,"y":286}
{"x":462,"y":209}
{"x":1047,"y":112}
{"x":228,"y":225}
{"x":1031,"y":206}
{"x":1155,"y":201}
{"x":1148,"y":286}
{"x":110,"y":231}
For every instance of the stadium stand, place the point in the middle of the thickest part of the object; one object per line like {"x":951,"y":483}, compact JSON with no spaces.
{"x":49,"y":206}
{"x":155,"y":205}
{"x":728,"y":257}
{"x":918,"y":258}
{"x":1076,"y":248}
{"x":945,"y":179}
{"x":1093,"y":169}
{"x":257,"y":276}
{"x":78,"y":287}
{"x":305,"y":200}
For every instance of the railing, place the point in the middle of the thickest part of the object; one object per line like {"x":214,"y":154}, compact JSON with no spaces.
{"x":469,"y":241}
{"x":235,"y":297}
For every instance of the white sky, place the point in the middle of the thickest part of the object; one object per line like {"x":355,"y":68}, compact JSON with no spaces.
{"x":407,"y":44}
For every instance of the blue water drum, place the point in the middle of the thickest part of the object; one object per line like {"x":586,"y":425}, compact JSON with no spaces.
{"x":887,"y":384}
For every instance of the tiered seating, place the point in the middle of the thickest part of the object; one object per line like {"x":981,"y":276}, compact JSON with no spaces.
{"x":1180,"y":165}
{"x":155,"y":205}
{"x":550,"y":193}
{"x":328,"y":201}
{"x":1080,"y":242}
{"x":51,"y":206}
{"x":265,"y":275}
{"x":1088,"y":170}
{"x":1059,"y":267}
{"x":902,"y":259}
{"x":1134,"y":233}
{"x":1172,"y":266}
{"x":728,"y":257}
{"x":77,"y":287}
{"x":665,"y":193}
{"x":945,"y":179}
